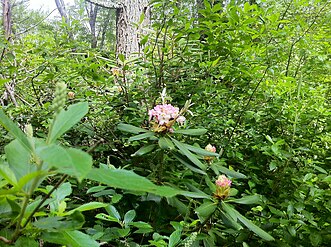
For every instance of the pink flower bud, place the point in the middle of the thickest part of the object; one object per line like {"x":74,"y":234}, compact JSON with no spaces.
{"x":223,"y":185}
{"x":223,"y":181}
{"x":71,"y":95}
{"x":210,"y":148}
{"x":181,"y":120}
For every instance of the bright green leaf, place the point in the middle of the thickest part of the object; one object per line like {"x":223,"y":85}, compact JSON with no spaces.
{"x":66,"y":119}
{"x":13,"y":129}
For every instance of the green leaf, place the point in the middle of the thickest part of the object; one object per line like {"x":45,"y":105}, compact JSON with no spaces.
{"x":144,"y":150}
{"x":185,"y":162}
{"x":28,"y":177}
{"x":8,"y":208}
{"x":166,"y":143}
{"x":123,"y":232}
{"x":200,"y":151}
{"x":87,"y":207}
{"x":112,"y":211}
{"x":266,"y":236}
{"x":205,"y":210}
{"x":253,"y":199}
{"x":227,"y":171}
{"x":174,"y":238}
{"x":192,"y":132}
{"x":250,"y":225}
{"x":67,"y":119}
{"x":19,"y":159}
{"x":229,"y":211}
{"x":57,"y":223}
{"x":129,"y":180}
{"x":8,"y":174}
{"x":195,"y":194}
{"x":71,"y":161}
{"x":188,"y":154}
{"x":121,"y":57}
{"x":70,"y":238}
{"x":106,"y":217}
{"x":13,"y":129}
{"x":180,"y":206}
{"x":25,"y":241}
{"x":228,"y":221}
{"x":130,"y":128}
{"x":129,"y":217}
{"x":141,"y":136}
{"x":143,"y":227}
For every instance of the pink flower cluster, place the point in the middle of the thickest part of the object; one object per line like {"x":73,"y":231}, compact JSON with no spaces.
{"x":223,"y":181}
{"x":163,"y":114}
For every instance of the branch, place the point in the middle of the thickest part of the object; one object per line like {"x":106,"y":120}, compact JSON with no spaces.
{"x":106,"y":4}
{"x":5,"y":240}
{"x":28,"y":29}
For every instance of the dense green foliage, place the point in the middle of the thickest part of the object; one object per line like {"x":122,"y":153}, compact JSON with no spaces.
{"x":90,"y":168}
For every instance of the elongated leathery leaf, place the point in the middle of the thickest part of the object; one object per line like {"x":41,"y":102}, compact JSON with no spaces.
{"x":130,"y":128}
{"x":123,"y":179}
{"x":141,"y":136}
{"x":192,"y":132}
{"x":144,"y":150}
{"x":188,"y":154}
{"x":253,"y":199}
{"x":182,"y":159}
{"x":200,"y":151}
{"x":166,"y":143}
{"x":235,"y":215}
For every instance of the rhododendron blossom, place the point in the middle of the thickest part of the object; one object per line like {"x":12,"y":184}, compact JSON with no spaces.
{"x":165,"y":115}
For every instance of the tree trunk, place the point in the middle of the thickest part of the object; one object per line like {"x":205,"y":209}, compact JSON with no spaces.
{"x":105,"y":27}
{"x":92,"y":12}
{"x":63,"y":12}
{"x":9,"y":93}
{"x":128,"y":29}
{"x":6,"y":15}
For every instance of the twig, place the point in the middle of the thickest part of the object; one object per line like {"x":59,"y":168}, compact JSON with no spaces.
{"x":28,"y":29}
{"x":63,"y":178}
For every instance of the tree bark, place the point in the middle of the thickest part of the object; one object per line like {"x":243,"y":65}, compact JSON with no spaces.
{"x":6,"y":15}
{"x":128,"y":29}
{"x":92,"y":12}
{"x":105,"y":27}
{"x":63,"y":12}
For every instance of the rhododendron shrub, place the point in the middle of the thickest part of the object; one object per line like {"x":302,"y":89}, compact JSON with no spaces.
{"x":173,"y":158}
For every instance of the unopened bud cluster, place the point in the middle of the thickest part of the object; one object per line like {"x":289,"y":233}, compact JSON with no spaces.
{"x":60,"y":97}
{"x":191,"y":239}
{"x":210,"y":148}
{"x":223,"y":185}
